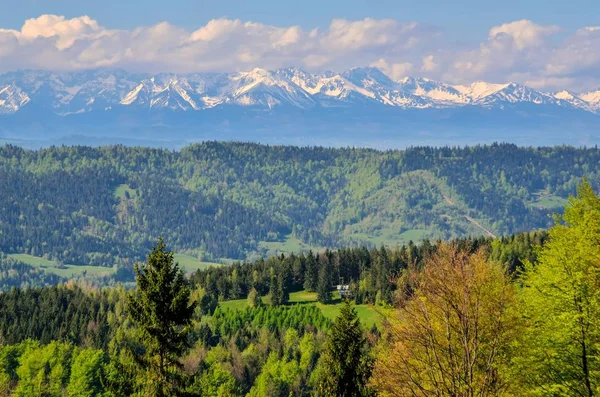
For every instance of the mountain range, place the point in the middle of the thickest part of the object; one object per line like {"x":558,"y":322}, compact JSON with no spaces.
{"x":358,"y":106}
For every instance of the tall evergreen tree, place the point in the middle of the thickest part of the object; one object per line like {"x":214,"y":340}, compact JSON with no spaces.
{"x":346,"y":364}
{"x":384,"y":275}
{"x":162,"y":311}
{"x":279,"y":294}
{"x":311,"y":275}
{"x":324,"y":284}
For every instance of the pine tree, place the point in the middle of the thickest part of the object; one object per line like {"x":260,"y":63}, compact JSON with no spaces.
{"x":311,"y":275}
{"x":346,"y":364}
{"x":161,"y":310}
{"x":279,"y":295}
{"x":384,"y":287}
{"x":324,"y":284}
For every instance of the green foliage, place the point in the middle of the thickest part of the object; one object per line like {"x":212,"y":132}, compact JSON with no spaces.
{"x":16,"y":273}
{"x":44,"y":371}
{"x":346,"y":362}
{"x":325,"y":281}
{"x":216,"y":381}
{"x":278,"y":378}
{"x":55,"y":313}
{"x":254,"y":299}
{"x":105,"y":206}
{"x":561,"y":296}
{"x":161,"y":310}
{"x":87,"y":374}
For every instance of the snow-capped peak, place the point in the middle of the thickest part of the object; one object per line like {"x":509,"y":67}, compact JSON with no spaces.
{"x":12,"y":98}
{"x":86,"y":91}
{"x":479,"y":89}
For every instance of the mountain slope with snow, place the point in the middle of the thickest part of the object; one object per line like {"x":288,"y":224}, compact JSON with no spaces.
{"x":360,"y":106}
{"x":104,"y":90}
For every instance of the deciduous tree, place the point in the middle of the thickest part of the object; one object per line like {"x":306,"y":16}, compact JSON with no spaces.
{"x":455,"y":334}
{"x":561,"y":296}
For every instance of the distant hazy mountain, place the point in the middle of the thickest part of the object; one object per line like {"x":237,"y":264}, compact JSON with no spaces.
{"x":358,"y":106}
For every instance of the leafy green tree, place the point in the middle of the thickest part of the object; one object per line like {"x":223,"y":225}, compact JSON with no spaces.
{"x":254,"y":299}
{"x":278,"y":378}
{"x":87,"y":374}
{"x":217,"y":381}
{"x":162,"y":311}
{"x":43,"y":371}
{"x":455,"y":332}
{"x":346,"y":363}
{"x":561,"y":297}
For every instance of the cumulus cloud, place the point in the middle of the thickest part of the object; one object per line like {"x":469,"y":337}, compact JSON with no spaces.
{"x":545,"y":56}
{"x":523,"y":33}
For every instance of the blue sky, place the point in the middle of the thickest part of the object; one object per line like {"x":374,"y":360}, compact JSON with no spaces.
{"x":465,"y":17}
{"x":547,"y":45}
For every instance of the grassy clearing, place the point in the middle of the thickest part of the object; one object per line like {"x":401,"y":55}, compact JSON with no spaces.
{"x":549,"y":202}
{"x":190,"y":264}
{"x":288,"y":245}
{"x":368,"y":314}
{"x":414,"y":235}
{"x":391,"y":238}
{"x":122,"y":189}
{"x":66,"y":271}
{"x":187,"y":262}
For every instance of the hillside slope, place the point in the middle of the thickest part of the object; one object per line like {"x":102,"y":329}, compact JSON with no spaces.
{"x":105,"y":206}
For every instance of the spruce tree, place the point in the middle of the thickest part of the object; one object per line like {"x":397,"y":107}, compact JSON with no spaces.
{"x":161,"y":310}
{"x":311,"y":274}
{"x":279,"y":295}
{"x":324,"y":283}
{"x":346,"y":364}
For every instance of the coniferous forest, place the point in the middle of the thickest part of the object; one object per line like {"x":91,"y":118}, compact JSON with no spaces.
{"x":457,"y":280}
{"x":508,"y":316}
{"x":224,"y":202}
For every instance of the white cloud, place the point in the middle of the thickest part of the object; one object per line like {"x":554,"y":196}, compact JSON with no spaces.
{"x":546,"y":56}
{"x":523,"y":33}
{"x":395,"y":70}
{"x":429,"y":64}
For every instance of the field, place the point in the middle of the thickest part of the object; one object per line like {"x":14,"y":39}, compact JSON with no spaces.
{"x":288,"y":245}
{"x":188,"y":263}
{"x":121,"y":191}
{"x":67,"y":271}
{"x":547,"y":201}
{"x":368,"y":314}
{"x":191,"y":264}
{"x":390,"y":238}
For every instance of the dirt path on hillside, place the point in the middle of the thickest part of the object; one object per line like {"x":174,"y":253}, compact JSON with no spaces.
{"x":467,"y":217}
{"x":474,"y":222}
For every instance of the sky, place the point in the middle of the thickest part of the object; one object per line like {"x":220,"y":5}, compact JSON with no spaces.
{"x":548,"y":45}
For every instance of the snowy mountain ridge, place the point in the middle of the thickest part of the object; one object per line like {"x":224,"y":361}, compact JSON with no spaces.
{"x":105,"y":90}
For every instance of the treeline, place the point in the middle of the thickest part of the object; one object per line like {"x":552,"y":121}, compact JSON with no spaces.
{"x":162,"y":339}
{"x":78,"y":340}
{"x":464,"y":326}
{"x":370,"y":274}
{"x":106,"y":206}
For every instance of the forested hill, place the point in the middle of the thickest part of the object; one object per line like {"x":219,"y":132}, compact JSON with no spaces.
{"x":105,"y":206}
